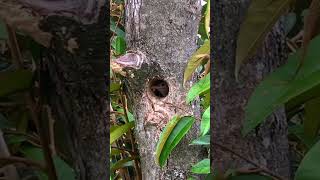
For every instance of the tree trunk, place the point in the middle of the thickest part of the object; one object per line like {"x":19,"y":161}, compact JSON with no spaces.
{"x":165,"y":32}
{"x":268,"y":145}
{"x":72,"y":72}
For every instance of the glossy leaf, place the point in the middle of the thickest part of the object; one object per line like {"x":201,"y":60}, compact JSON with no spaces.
{"x":14,"y":81}
{"x":311,"y":120}
{"x":202,"y":167}
{"x":309,"y":167}
{"x":164,"y":136}
{"x":179,"y":131}
{"x":196,"y":60}
{"x":260,"y":18}
{"x":205,"y":122}
{"x":119,"y":45}
{"x":122,"y":163}
{"x":282,"y":86}
{"x":118,"y":131}
{"x":200,"y":87}
{"x":202,"y":140}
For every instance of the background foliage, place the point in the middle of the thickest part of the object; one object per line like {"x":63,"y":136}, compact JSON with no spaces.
{"x":294,"y":85}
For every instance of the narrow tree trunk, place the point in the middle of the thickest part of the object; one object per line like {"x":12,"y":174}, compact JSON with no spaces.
{"x":72,"y":74}
{"x":77,"y":93}
{"x":165,"y":31}
{"x":268,"y":144}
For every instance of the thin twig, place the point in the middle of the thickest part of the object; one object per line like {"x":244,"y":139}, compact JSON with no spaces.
{"x":136,"y":163}
{"x":51,"y":130}
{"x":263,"y":169}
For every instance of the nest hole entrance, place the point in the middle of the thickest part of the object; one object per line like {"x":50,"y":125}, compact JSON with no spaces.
{"x":159,"y":88}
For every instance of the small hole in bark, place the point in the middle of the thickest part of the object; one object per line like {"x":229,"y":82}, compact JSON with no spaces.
{"x":159,"y":88}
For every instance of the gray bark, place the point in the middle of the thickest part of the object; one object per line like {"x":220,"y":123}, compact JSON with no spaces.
{"x":268,"y":144}
{"x":165,"y":31}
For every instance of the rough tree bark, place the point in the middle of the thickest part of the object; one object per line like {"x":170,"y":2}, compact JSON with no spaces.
{"x":268,"y":145}
{"x":165,"y":31}
{"x":73,"y":66}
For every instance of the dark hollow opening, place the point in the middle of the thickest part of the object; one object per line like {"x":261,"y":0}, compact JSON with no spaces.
{"x":159,"y":88}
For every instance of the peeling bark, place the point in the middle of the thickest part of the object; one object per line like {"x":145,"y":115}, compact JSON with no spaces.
{"x":165,"y":31}
{"x":268,"y":145}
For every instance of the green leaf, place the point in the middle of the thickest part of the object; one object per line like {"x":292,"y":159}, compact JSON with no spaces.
{"x":205,"y":122}
{"x":179,"y":131}
{"x":119,"y":131}
{"x":130,"y":115}
{"x":205,"y":102}
{"x":309,"y":167}
{"x":202,"y":140}
{"x":281,"y":86}
{"x":115,"y":29}
{"x":302,"y":98}
{"x":298,"y":131}
{"x":122,"y":163}
{"x":64,"y":171}
{"x":15,"y":139}
{"x":114,"y":87}
{"x":200,"y":87}
{"x":119,"y":45}
{"x":311,"y":121}
{"x":164,"y":136}
{"x":195,"y":60}
{"x":261,"y":17}
{"x":202,"y":167}
{"x":3,"y":31}
{"x":14,"y":81}
{"x":207,"y":18}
